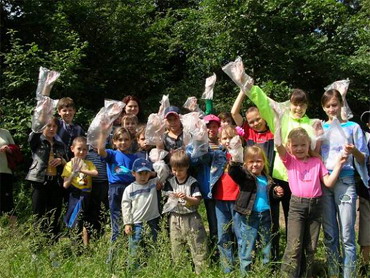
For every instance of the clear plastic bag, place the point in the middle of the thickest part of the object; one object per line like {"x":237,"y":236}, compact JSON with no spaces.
{"x":154,"y":130}
{"x":46,"y":81}
{"x":170,"y":205}
{"x":43,"y":112}
{"x":210,"y":84}
{"x":342,"y":87}
{"x":236,"y":149}
{"x":165,"y":102}
{"x":235,"y":70}
{"x":160,"y":167}
{"x":103,"y":120}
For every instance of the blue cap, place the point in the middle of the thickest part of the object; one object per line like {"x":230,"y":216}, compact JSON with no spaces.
{"x":141,"y":165}
{"x":171,"y":110}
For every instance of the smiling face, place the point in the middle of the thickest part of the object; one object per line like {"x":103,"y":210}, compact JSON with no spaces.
{"x":132,"y":108}
{"x":255,"y":164}
{"x":123,"y":142}
{"x":332,"y":108}
{"x":298,"y":110}
{"x":299,"y":147}
{"x":212,"y":128}
{"x":131,"y":125}
{"x":50,"y":130}
{"x":255,"y":121}
{"x":79,"y":149}
{"x":67,"y":114}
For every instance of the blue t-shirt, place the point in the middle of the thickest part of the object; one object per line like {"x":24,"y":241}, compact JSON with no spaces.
{"x":119,"y":167}
{"x":262,"y":202}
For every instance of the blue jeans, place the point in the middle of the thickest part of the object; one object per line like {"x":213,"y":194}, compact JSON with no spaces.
{"x":228,"y":223}
{"x":115,"y":193}
{"x":255,"y":228}
{"x":304,"y":221}
{"x":138,"y":232}
{"x":340,"y":202}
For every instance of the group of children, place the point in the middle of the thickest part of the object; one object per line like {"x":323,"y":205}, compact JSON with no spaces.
{"x":241,"y":198}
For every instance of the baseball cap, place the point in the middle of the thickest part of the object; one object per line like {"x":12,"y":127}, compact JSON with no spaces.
{"x":209,"y":118}
{"x":141,"y":165}
{"x":365,"y":117}
{"x":171,"y":110}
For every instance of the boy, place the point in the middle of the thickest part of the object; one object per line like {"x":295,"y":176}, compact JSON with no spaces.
{"x":140,"y":204}
{"x":130,"y":122}
{"x":213,"y":124}
{"x":186,"y":226}
{"x":78,"y":173}
{"x":173,"y":139}
{"x":67,"y":130}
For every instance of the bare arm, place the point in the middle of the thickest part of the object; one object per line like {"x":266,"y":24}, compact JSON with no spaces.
{"x":359,"y":156}
{"x":92,"y":173}
{"x":330,"y":180}
{"x":235,"y":110}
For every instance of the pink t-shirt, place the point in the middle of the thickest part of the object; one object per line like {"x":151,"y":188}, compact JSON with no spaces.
{"x":304,"y":177}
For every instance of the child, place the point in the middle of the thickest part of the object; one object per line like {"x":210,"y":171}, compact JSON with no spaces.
{"x":48,"y":158}
{"x":143,"y":147}
{"x":306,"y":171}
{"x":140,"y":205}
{"x":364,"y":223}
{"x":226,"y":119}
{"x":130,"y":122}
{"x":67,"y":130}
{"x":257,"y":132}
{"x":173,"y":139}
{"x":119,"y":164}
{"x":225,"y":193}
{"x":186,"y":226}
{"x":78,"y":173}
{"x":253,"y":204}
{"x":339,"y":203}
{"x":213,"y":124}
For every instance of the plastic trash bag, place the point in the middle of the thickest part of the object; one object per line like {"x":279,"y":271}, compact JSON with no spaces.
{"x":335,"y":139}
{"x":46,"y":81}
{"x":191,"y":104}
{"x":236,"y":149}
{"x":155,"y":128}
{"x":342,"y":87}
{"x":235,"y":70}
{"x":165,"y":102}
{"x":170,"y":205}
{"x":43,"y":113}
{"x":160,"y":167}
{"x":103,"y":121}
{"x":210,"y":84}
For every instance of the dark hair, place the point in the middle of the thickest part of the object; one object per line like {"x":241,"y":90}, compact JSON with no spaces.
{"x":179,"y":159}
{"x":127,"y":99}
{"x":140,"y":130}
{"x":66,"y":102}
{"x":298,"y":96}
{"x":224,"y":115}
{"x":329,"y":94}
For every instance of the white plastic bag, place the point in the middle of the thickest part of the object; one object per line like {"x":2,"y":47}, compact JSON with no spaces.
{"x":154,"y":130}
{"x":165,"y":102}
{"x":236,"y":149}
{"x":342,"y":87}
{"x":235,"y":70}
{"x":160,"y":167}
{"x":210,"y":84}
{"x":170,"y":205}
{"x":106,"y":116}
{"x":46,"y":81}
{"x":43,"y":112}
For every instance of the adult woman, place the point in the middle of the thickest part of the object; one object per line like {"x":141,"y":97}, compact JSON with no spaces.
{"x":133,"y":107}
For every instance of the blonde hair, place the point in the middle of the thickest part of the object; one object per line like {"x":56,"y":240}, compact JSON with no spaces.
{"x":129,"y":117}
{"x":229,"y":130}
{"x":300,"y":133}
{"x":256,"y":150}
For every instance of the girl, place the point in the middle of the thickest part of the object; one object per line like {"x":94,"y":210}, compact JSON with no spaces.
{"x":119,"y":165}
{"x":225,"y":193}
{"x":339,"y":203}
{"x":305,"y":172}
{"x":253,"y":204}
{"x":48,"y":155}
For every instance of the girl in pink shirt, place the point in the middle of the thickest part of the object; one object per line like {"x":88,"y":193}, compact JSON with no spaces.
{"x":306,"y":171}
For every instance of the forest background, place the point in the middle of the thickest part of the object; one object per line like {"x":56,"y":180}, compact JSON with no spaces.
{"x":113,"y":48}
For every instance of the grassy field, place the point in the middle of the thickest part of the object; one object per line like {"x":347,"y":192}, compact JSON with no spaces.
{"x":24,"y":252}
